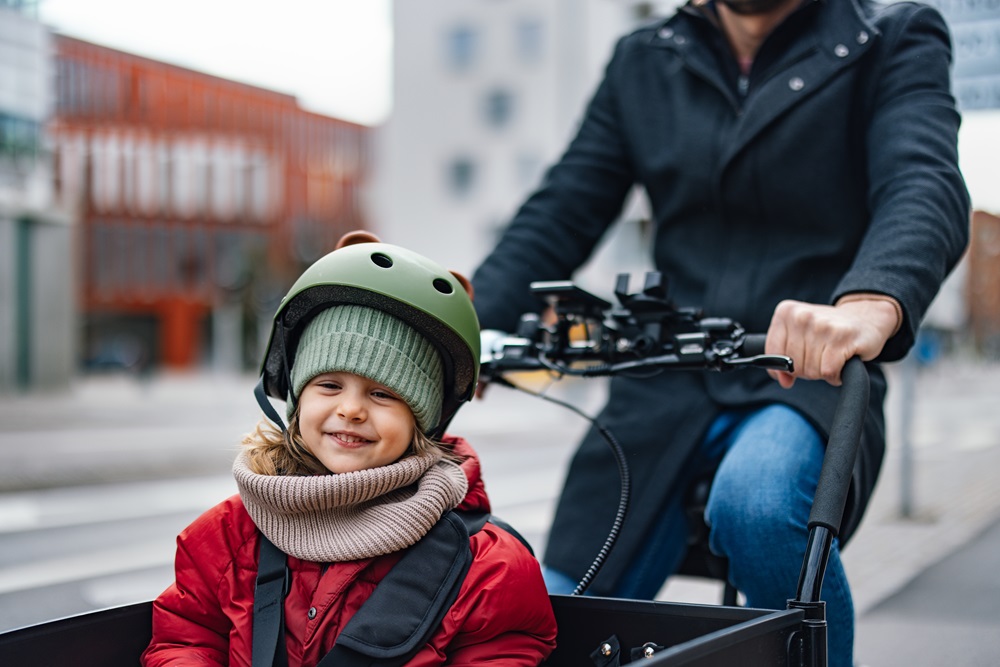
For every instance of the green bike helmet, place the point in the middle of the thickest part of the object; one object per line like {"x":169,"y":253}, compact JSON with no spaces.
{"x":362,"y":271}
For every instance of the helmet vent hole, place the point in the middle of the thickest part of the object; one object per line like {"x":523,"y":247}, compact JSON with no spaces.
{"x":382,"y":260}
{"x":443,"y":286}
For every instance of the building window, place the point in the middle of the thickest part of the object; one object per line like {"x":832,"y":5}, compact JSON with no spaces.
{"x":159,"y":269}
{"x":146,"y":177}
{"x":165,"y":178}
{"x":499,"y":107}
{"x":203,"y":177}
{"x":461,"y":176}
{"x":199,"y":266}
{"x":100,"y":257}
{"x":461,"y":48}
{"x":128,"y":189}
{"x":223,"y":165}
{"x":529,"y":40}
{"x":19,"y":137}
{"x":107,"y":173}
{"x":259,"y":179}
{"x":120,"y":278}
{"x":183,"y":263}
{"x":181,"y":191}
{"x":72,"y":153}
{"x":230,"y":256}
{"x":138,"y":258}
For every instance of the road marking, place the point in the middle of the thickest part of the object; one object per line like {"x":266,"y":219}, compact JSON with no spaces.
{"x":60,"y":508}
{"x":65,"y":569}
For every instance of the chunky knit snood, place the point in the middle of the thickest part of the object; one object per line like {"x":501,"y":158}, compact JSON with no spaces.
{"x":349,"y":516}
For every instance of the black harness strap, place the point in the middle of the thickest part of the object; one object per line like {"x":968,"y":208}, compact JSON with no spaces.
{"x":405,"y":609}
{"x":409,"y":603}
{"x":273,"y":580}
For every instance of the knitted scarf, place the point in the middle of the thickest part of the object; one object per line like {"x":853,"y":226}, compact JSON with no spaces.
{"x":343,"y":517}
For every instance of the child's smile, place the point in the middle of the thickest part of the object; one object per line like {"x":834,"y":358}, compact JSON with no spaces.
{"x":348,"y":439}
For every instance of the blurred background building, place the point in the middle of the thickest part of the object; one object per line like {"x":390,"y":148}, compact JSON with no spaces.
{"x":198,"y":200}
{"x":983,"y":284}
{"x":151,"y":215}
{"x":37,"y":312}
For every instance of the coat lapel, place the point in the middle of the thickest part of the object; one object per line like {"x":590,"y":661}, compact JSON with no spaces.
{"x":681,"y":36}
{"x":832,"y":43}
{"x":838,"y":37}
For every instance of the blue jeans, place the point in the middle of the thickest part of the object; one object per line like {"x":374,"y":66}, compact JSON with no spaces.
{"x":768,"y":464}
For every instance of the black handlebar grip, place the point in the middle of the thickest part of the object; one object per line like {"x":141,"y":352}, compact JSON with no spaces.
{"x":753,"y":344}
{"x":842,"y":448}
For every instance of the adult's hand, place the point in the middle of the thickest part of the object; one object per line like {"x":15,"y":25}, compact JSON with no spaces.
{"x":820,"y":339}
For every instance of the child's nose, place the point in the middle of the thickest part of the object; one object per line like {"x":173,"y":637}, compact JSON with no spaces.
{"x":351,"y":407}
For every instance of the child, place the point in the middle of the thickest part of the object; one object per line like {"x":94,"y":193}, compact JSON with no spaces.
{"x":374,"y":348}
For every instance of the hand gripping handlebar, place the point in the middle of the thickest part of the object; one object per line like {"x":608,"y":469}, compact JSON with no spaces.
{"x":583,"y":335}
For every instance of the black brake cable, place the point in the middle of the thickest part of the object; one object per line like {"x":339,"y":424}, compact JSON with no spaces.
{"x":623,"y":474}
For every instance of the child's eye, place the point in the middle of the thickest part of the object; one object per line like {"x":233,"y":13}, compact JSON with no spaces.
{"x":328,"y":385}
{"x":383,"y":394}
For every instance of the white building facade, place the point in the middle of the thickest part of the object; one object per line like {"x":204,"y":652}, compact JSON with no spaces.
{"x":486,"y":94}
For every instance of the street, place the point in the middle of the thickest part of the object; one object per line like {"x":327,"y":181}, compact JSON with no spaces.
{"x":98,"y":481}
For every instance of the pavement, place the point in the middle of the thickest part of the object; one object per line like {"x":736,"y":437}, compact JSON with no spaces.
{"x":115,"y":427}
{"x":929,"y":544}
{"x":948,"y":614}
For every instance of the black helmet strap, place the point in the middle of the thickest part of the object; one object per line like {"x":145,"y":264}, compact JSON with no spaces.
{"x":265,"y":404}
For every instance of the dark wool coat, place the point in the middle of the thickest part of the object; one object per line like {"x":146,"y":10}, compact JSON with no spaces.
{"x":501,"y":616}
{"x":831,"y":169}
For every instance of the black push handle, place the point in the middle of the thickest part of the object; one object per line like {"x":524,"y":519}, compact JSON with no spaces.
{"x":842,"y":447}
{"x":834,"y":479}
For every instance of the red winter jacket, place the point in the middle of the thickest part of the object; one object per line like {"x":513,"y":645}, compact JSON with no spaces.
{"x":502,"y":614}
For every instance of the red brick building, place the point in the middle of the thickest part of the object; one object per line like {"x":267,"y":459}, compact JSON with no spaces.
{"x":984,"y":284}
{"x":193,"y":193}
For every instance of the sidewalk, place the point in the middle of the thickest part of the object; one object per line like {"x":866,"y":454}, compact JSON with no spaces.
{"x":956,"y":454}
{"x":106,"y":428}
{"x":113,"y":427}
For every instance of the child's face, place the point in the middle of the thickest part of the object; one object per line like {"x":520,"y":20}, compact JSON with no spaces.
{"x":350,"y":423}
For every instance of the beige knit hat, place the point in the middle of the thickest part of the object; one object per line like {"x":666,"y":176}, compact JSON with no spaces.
{"x":375,"y":345}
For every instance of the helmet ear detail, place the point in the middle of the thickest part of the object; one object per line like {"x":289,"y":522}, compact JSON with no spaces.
{"x":355,"y":237}
{"x":465,"y":283}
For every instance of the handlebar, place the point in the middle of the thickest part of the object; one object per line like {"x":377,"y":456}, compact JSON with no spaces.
{"x":587,"y":336}
{"x":753,"y":344}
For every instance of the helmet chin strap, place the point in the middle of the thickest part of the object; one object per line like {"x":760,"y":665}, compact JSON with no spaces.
{"x":265,"y":404}
{"x":261,"y":394}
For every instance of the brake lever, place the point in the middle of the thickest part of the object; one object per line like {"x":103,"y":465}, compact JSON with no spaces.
{"x":775,"y":362}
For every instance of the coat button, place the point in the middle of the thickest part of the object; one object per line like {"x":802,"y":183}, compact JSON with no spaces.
{"x":840,"y":50}
{"x":312,"y":613}
{"x":862,"y":37}
{"x":796,"y":83}
{"x":666,"y":33}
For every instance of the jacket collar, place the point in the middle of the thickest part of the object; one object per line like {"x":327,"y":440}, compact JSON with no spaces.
{"x":821,"y":38}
